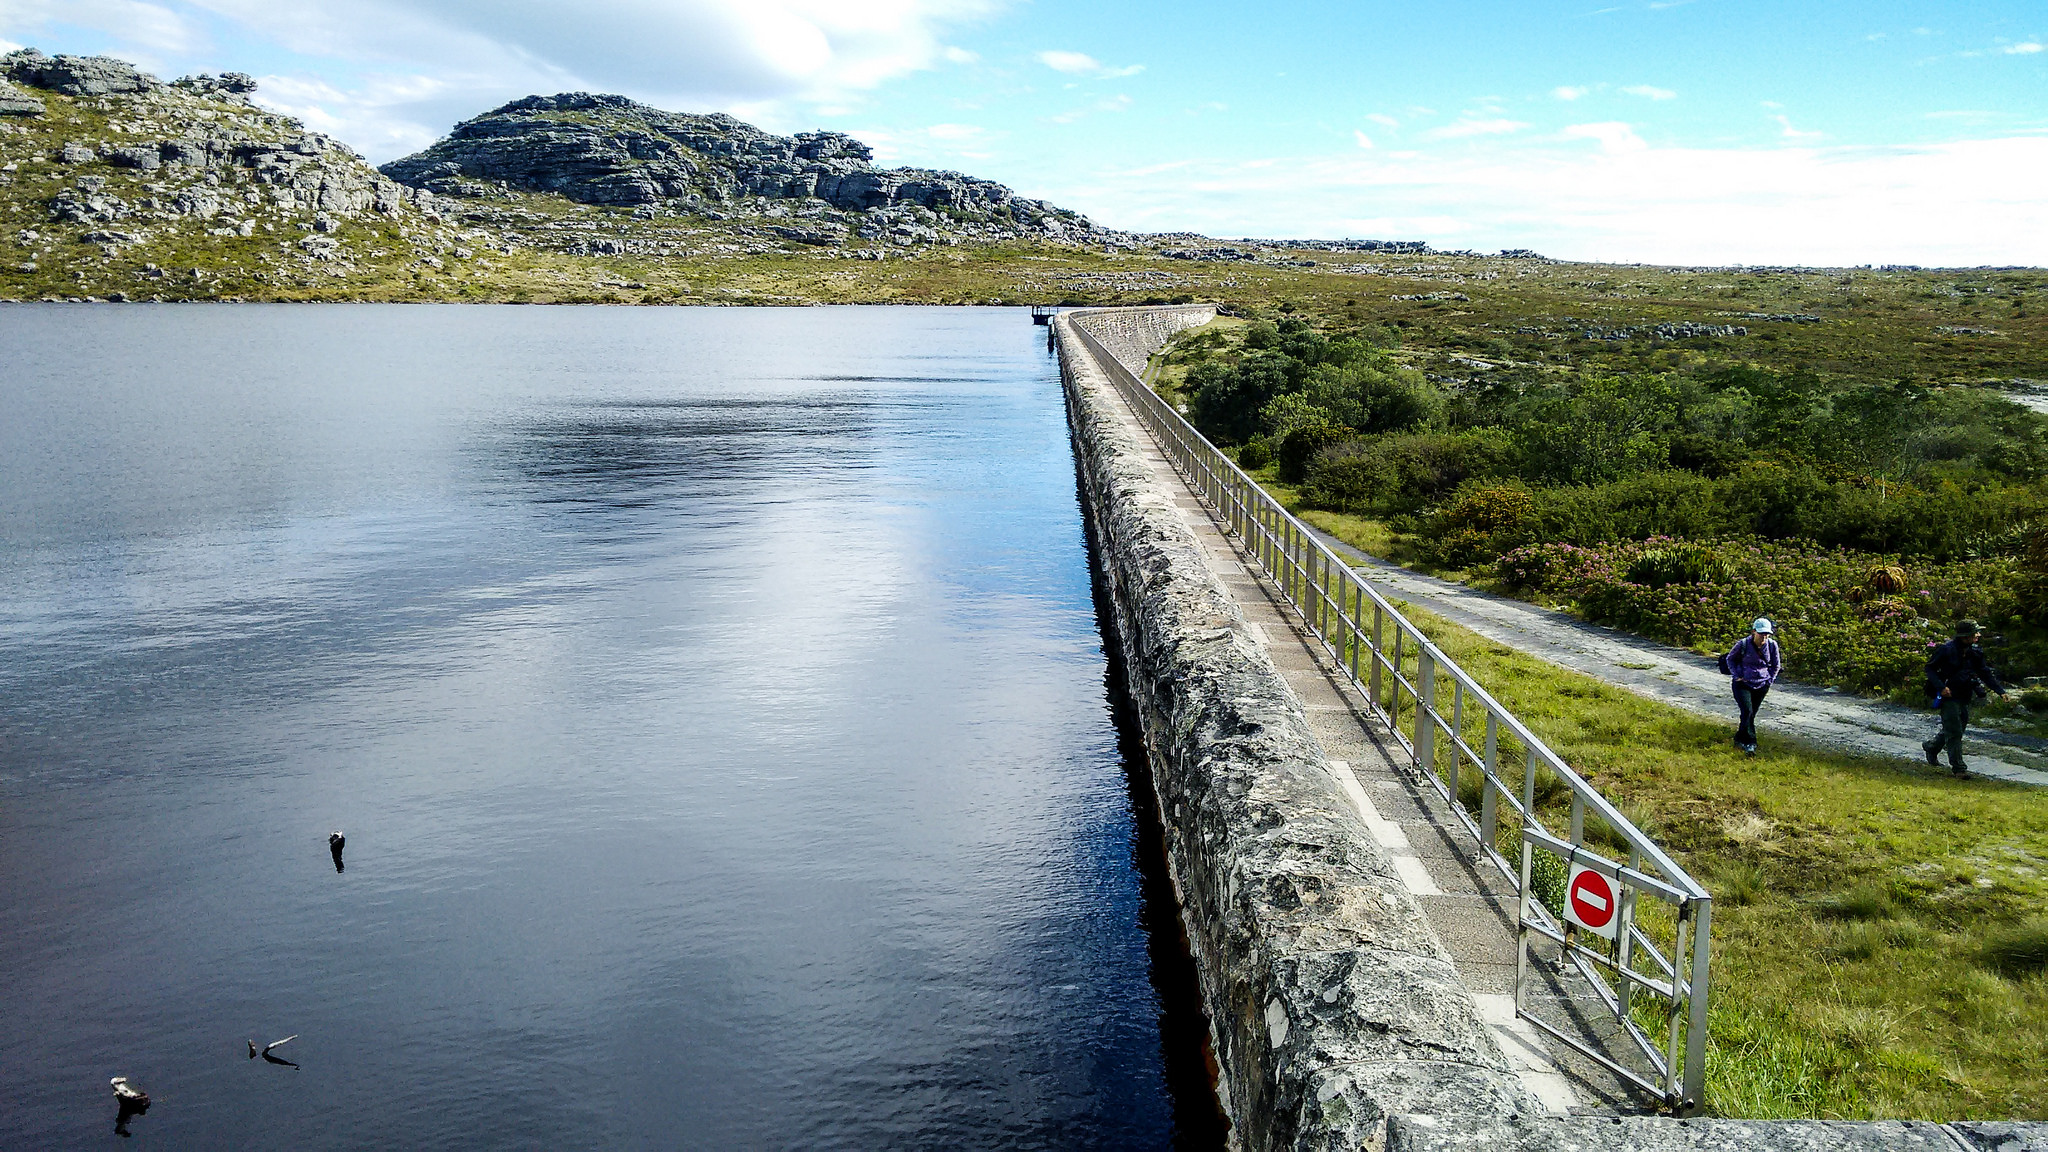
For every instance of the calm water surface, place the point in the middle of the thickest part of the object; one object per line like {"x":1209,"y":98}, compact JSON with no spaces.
{"x":713,"y":701}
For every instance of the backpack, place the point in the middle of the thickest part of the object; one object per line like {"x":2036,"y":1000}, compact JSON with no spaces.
{"x":1722,"y":663}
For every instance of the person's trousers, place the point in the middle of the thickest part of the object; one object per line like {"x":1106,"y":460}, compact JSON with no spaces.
{"x":1747,"y":700}
{"x":1955,"y":716}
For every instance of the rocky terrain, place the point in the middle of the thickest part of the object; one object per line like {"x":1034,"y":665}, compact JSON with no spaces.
{"x":815,"y":188}
{"x":117,"y":185}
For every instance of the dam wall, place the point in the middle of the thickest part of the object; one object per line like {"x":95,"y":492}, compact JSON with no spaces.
{"x":1336,"y":1017}
{"x":1332,"y":1005}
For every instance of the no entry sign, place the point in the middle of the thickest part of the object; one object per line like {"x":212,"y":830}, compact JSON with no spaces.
{"x":1591,"y":902}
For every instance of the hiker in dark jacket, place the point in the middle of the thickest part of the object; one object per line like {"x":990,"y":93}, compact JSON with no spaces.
{"x":1957,"y":673}
{"x":1753,"y":666}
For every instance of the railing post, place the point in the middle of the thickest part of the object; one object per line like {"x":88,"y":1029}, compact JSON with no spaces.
{"x":1457,"y":733}
{"x":1378,"y":619}
{"x":1394,"y":681}
{"x":1357,"y":625}
{"x":1425,"y":705}
{"x":1489,"y":800}
{"x":1694,"y":1096}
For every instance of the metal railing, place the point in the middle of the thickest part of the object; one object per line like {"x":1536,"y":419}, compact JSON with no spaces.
{"x":1653,"y":975}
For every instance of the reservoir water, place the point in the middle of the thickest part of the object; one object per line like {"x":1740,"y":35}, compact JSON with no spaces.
{"x":713,"y":702}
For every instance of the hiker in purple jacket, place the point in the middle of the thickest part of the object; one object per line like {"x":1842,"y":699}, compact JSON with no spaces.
{"x":1753,"y":665}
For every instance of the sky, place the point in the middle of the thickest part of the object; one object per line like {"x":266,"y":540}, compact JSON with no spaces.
{"x":1827,"y":132}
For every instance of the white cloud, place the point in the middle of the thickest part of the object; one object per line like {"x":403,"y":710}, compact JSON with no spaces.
{"x":2024,"y":48}
{"x":1364,"y":141}
{"x":1383,"y":120}
{"x":1791,"y":133}
{"x":144,"y":32}
{"x":958,"y":55}
{"x":372,"y":118}
{"x":1082,"y":64}
{"x":953,"y":131}
{"x":1960,"y":203}
{"x":692,"y":54}
{"x":1072,"y":63}
{"x":1613,"y":135}
{"x":1568,"y":92}
{"x":1462,"y":129}
{"x":1649,"y":92}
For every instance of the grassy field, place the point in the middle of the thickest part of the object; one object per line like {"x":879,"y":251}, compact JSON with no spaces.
{"x":1878,"y":944}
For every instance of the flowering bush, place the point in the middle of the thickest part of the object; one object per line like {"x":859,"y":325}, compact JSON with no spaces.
{"x":1828,"y":636}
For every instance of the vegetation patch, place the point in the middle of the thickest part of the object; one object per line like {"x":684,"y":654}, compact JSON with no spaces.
{"x":1878,"y":950}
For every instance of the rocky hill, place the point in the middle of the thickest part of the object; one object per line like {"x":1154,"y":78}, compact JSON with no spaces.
{"x":818,"y":188}
{"x":114,"y":184}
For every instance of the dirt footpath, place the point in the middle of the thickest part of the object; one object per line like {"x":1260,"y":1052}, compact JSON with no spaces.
{"x":1822,"y":716}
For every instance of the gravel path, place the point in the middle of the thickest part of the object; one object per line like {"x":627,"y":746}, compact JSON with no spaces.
{"x":1822,"y":716}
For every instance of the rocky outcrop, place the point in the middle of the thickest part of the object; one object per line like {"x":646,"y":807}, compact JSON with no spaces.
{"x":75,"y":75}
{"x":206,"y":151}
{"x":1333,"y":1006}
{"x":609,"y":150}
{"x":16,"y":101}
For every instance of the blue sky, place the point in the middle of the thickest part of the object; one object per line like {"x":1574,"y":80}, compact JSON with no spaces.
{"x":1691,"y":131}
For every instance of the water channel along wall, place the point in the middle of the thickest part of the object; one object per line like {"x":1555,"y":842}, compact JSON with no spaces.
{"x":1337,"y":1016}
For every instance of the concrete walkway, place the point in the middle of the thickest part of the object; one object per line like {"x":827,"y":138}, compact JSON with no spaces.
{"x":1821,"y":716}
{"x":1470,"y":905}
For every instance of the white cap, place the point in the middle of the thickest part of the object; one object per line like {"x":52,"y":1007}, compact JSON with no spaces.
{"x":1761,"y":624}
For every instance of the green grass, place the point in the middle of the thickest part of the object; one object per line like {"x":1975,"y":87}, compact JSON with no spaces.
{"x":1877,"y":945}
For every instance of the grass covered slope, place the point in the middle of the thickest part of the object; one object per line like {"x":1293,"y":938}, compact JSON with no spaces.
{"x":1879,"y":947}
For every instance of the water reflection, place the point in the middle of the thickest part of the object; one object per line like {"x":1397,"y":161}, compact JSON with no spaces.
{"x":699,"y":723}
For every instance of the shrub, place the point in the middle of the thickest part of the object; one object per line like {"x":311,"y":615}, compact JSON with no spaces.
{"x":1290,"y":411}
{"x":1683,"y":563}
{"x":1403,"y":471}
{"x":1256,"y":454}
{"x":1480,"y":522}
{"x":1300,"y":446}
{"x":1552,"y":567}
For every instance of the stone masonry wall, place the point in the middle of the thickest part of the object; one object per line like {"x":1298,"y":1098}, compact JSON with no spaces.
{"x":1333,"y":1006}
{"x":1337,"y":1019}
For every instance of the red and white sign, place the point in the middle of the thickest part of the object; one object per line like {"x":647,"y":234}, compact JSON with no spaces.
{"x":1591,"y":902}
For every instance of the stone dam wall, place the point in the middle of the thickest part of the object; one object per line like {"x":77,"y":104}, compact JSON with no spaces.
{"x":1332,"y":1005}
{"x":1336,"y":1016}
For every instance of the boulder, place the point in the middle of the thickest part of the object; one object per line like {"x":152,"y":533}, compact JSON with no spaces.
{"x":147,"y":157}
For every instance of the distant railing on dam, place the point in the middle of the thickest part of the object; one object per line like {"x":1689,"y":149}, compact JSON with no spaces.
{"x":1650,"y":964}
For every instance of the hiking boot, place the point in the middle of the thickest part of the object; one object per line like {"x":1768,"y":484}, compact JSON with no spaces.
{"x":1933,"y":755}
{"x":1750,"y":749}
{"x":1960,"y":772}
